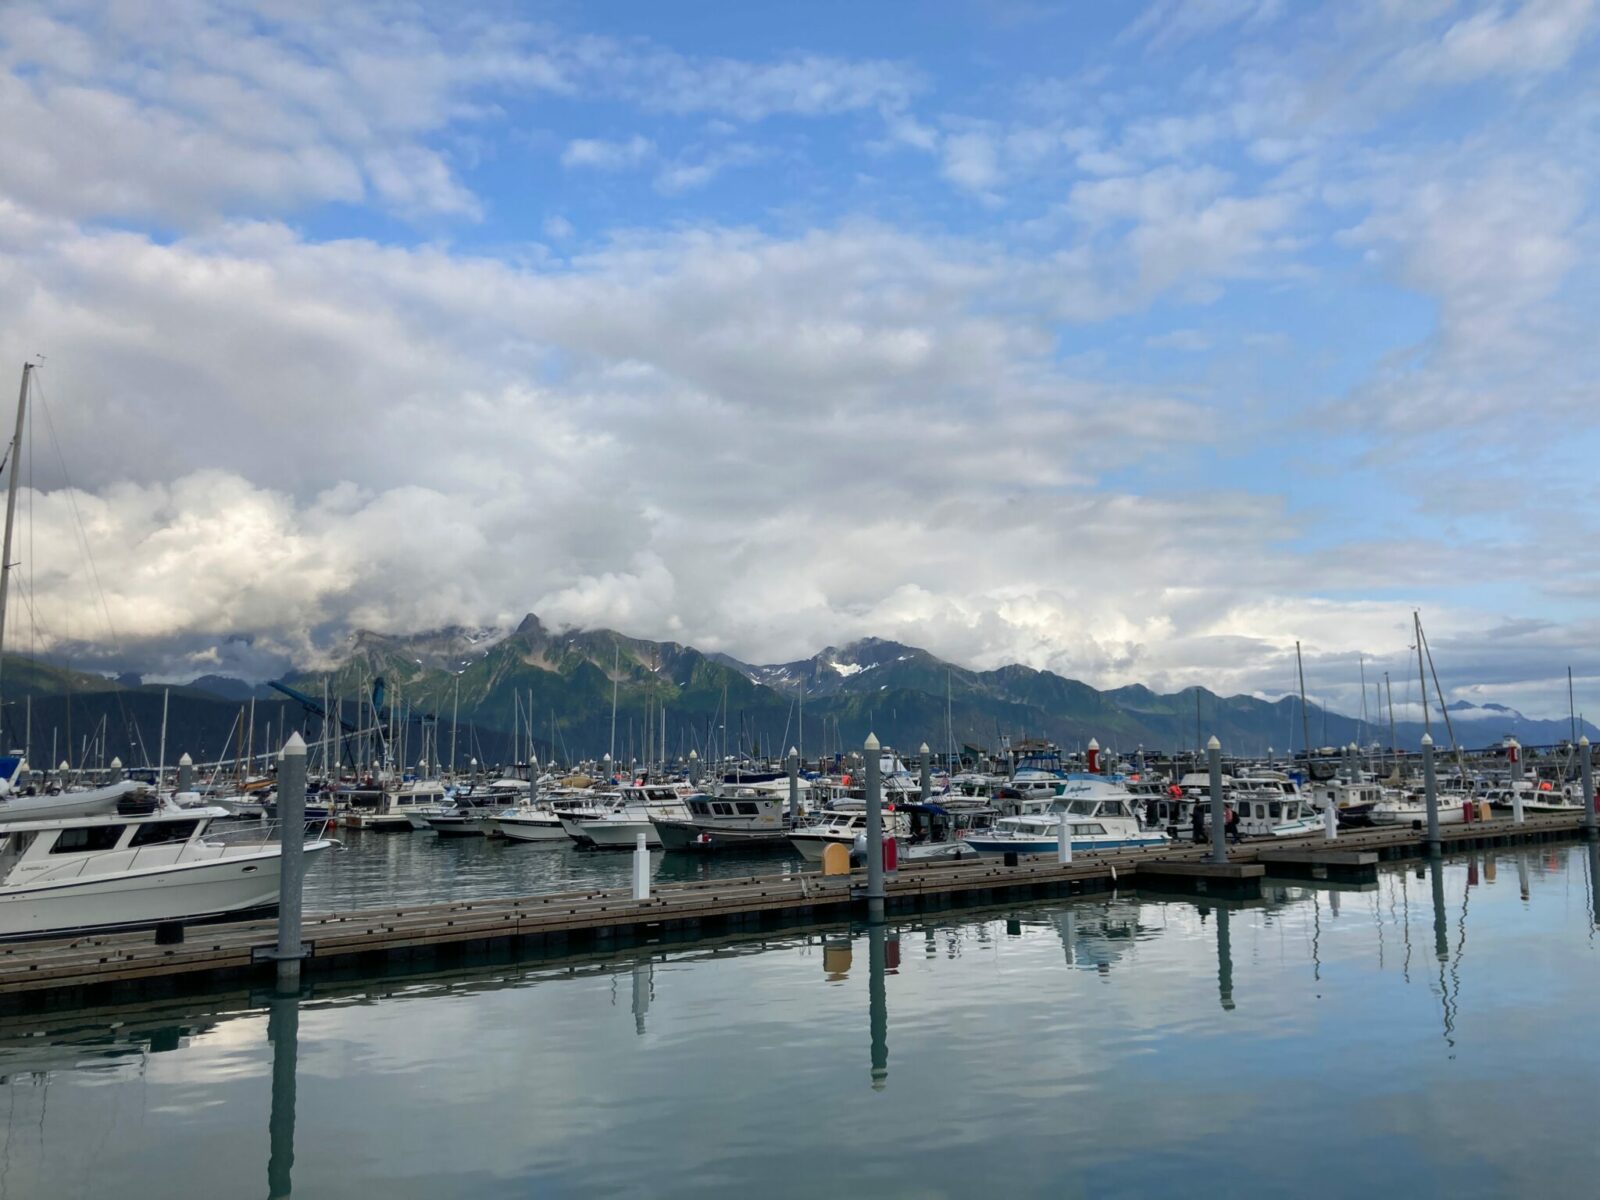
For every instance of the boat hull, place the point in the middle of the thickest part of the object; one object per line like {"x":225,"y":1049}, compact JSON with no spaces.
{"x":620,"y":835}
{"x":182,"y":892}
{"x":990,"y":844}
{"x":547,"y":833}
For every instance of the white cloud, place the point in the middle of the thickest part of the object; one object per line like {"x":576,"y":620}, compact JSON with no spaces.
{"x":602,"y":155}
{"x":1190,"y":341}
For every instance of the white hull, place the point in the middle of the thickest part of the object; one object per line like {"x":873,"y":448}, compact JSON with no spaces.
{"x":812,"y":846}
{"x":66,"y":804}
{"x":620,"y":835}
{"x":183,"y":892}
{"x":546,"y":830}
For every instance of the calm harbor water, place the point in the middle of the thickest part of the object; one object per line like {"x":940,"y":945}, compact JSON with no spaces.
{"x":1430,"y":1036}
{"x":377,"y":869}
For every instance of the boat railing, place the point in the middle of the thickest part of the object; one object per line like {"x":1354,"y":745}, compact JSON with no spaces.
{"x":253,"y":834}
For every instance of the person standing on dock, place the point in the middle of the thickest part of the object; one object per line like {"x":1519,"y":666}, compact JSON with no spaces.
{"x":1199,"y":824}
{"x":1231,"y":818}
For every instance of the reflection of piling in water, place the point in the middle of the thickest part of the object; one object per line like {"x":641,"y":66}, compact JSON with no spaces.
{"x":1224,"y":961}
{"x":1594,"y":881}
{"x":1522,"y":873}
{"x":878,"y":1001}
{"x":283,"y":1031}
{"x":642,"y":972}
{"x":1441,"y":939}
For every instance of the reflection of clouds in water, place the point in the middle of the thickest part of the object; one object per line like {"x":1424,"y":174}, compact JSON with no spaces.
{"x":1110,"y":1009}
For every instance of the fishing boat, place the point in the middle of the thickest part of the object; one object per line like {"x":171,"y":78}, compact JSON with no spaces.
{"x":400,"y":809}
{"x":150,"y":863}
{"x":735,"y":818}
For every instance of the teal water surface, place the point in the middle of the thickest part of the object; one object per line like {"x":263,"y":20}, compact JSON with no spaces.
{"x":1431,"y":1036}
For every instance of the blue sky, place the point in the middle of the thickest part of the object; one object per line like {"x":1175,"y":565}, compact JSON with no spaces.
{"x":1133,"y":341}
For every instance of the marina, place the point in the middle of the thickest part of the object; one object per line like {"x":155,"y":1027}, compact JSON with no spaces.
{"x":557,"y":923}
{"x":1160,"y":1024}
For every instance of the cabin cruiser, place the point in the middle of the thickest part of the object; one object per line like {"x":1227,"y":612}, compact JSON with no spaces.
{"x":632,"y":813}
{"x":400,"y":809}
{"x":1401,"y":806}
{"x":540,"y":820}
{"x":735,"y":817}
{"x":843,"y":826}
{"x":146,"y":863}
{"x":1037,"y":830}
{"x":1542,"y":796}
{"x":1353,"y":801}
{"x":468,"y":812}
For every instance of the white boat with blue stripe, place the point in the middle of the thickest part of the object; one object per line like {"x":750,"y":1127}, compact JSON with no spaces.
{"x":1101,"y":816}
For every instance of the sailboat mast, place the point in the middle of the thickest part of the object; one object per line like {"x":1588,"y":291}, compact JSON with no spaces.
{"x":616,"y":665}
{"x":1422,"y":674}
{"x":13,"y":462}
{"x":1393,"y":749}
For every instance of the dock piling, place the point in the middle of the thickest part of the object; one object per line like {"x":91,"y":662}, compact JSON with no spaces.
{"x":291,"y":859}
{"x":794,"y":787}
{"x":927,"y":773}
{"x":1514,"y":753}
{"x":1430,"y":786}
{"x":1063,"y":840}
{"x":641,"y":868}
{"x":1330,"y":821}
{"x":1219,"y":823}
{"x":185,"y":774}
{"x":1586,"y":774}
{"x":875,"y":890}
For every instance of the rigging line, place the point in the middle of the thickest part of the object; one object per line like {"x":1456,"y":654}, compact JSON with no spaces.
{"x":43,"y":406}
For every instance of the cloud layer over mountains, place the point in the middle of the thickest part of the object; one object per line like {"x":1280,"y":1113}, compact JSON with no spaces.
{"x":1245,"y":324}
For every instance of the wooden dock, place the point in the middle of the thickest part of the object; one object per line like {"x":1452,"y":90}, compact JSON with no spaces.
{"x":112,"y":966}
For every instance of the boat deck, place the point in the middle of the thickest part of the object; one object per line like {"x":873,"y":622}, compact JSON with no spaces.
{"x":108,"y":966}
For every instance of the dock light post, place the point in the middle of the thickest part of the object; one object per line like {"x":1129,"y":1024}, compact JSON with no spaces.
{"x":1219,"y":822}
{"x":875,"y":891}
{"x":641,"y":868}
{"x":1430,"y":787}
{"x":1586,"y":767}
{"x":291,"y":859}
{"x":927,"y":773}
{"x":794,"y":787}
{"x":185,"y":774}
{"x":1063,"y":840}
{"x":1514,"y":753}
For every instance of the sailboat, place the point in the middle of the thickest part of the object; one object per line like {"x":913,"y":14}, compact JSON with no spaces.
{"x":18,"y":799}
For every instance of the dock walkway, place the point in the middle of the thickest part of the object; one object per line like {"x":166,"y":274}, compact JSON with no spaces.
{"x":108,"y":965}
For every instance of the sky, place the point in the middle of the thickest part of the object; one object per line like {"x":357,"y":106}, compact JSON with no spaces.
{"x":1136,"y":342}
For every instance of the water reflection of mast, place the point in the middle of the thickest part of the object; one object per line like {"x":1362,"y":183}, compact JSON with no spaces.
{"x":1316,"y":935}
{"x":283,"y":1031}
{"x":877,"y":999}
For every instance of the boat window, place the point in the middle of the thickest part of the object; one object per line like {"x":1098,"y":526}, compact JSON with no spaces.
{"x":698,"y":807}
{"x":722,"y":810}
{"x":1088,"y":829}
{"x":1277,"y":810}
{"x":87,"y":837}
{"x":746,"y":809}
{"x":163,"y":831}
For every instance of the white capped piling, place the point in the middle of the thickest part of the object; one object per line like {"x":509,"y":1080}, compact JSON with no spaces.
{"x":1219,"y":823}
{"x":1514,"y":756}
{"x":927,"y":773}
{"x":641,"y":867}
{"x":533,"y":779}
{"x":694,"y":767}
{"x":186,"y":774}
{"x":794,"y":786}
{"x":1063,"y":839}
{"x":291,"y":859}
{"x":1586,"y":774}
{"x":1330,"y":820}
{"x":875,"y":889}
{"x":1430,"y":787}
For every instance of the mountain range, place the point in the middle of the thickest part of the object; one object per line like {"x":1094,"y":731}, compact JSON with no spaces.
{"x":557,"y":686}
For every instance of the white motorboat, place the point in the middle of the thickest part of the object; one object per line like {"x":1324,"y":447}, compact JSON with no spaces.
{"x":633,"y":813}
{"x":399,"y":809}
{"x":1405,"y":807}
{"x":540,"y":820}
{"x":1039,"y":833}
{"x":133,"y":869}
{"x":736,"y":817}
{"x":841,"y":827}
